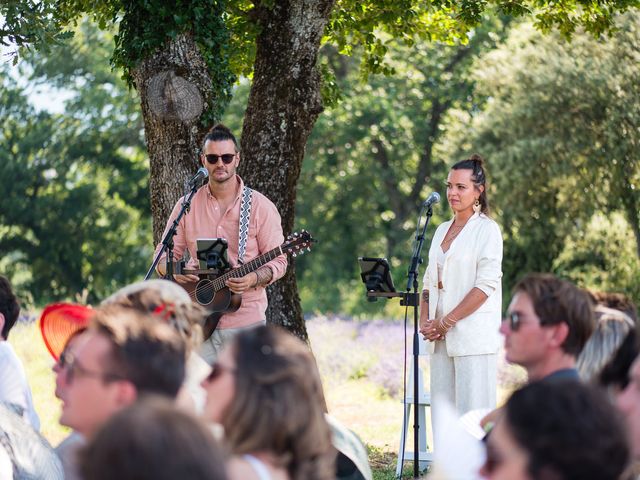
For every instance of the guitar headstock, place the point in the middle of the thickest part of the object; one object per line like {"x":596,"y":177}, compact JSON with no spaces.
{"x":298,"y":243}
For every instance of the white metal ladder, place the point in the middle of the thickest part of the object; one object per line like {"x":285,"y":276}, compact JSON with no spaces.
{"x":424,"y":401}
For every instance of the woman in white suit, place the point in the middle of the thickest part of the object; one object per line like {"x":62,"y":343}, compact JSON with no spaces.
{"x":460,"y":305}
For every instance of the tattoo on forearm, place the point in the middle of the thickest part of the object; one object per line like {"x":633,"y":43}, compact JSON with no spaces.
{"x":425,"y":296}
{"x":264,"y":276}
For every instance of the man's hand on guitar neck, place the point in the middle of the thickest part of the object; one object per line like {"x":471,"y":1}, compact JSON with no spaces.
{"x":259,"y":278}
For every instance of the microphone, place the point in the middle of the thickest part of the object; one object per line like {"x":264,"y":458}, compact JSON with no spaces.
{"x":431,"y":199}
{"x":201,"y":174}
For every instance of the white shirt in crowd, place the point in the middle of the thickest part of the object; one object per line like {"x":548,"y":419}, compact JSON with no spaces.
{"x":14,"y":388}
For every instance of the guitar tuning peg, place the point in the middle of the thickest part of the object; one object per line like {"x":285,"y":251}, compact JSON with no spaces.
{"x":294,"y":254}
{"x":308,"y":249}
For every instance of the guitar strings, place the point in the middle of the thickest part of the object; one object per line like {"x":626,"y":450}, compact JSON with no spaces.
{"x":217,"y":284}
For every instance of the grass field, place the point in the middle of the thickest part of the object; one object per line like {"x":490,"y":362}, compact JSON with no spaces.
{"x":361,"y":364}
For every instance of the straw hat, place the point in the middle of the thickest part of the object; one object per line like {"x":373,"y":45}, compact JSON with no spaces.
{"x":61,"y":320}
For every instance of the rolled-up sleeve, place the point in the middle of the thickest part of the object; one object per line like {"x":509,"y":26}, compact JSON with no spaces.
{"x":270,"y":236}
{"x":489,"y":267}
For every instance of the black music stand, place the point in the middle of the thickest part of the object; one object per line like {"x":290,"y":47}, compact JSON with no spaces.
{"x":212,"y":253}
{"x":376,"y":275}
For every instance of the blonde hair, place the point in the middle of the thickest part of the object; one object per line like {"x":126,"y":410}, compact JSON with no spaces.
{"x":612,"y":327}
{"x":279,"y":404}
{"x":167,"y":301}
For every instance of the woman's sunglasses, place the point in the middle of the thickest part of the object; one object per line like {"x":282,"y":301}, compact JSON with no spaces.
{"x":217,"y":370}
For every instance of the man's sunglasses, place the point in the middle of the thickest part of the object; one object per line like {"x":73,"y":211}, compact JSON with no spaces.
{"x":227,"y":158}
{"x":515,"y":320}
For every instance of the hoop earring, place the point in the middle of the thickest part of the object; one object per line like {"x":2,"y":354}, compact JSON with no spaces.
{"x":476,"y":206}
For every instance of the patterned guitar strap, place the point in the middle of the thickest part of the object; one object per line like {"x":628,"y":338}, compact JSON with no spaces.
{"x":243,"y":225}
{"x":243,"y":232}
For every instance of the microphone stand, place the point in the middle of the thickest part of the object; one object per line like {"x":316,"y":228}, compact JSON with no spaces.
{"x":412,"y":282}
{"x":167,"y":241}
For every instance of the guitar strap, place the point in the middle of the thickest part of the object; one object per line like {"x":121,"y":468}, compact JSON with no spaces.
{"x":243,"y":225}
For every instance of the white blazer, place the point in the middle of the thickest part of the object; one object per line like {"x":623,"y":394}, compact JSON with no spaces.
{"x":474,"y":259}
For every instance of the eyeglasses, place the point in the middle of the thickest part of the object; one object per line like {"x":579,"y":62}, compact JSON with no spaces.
{"x":72,"y":369}
{"x":217,"y":370}
{"x":515,"y":321}
{"x":226,"y":158}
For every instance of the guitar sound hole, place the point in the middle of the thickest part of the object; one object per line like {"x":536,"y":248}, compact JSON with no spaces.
{"x":204,"y":292}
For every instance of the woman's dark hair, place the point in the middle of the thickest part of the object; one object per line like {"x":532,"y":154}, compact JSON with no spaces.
{"x":475,"y":163}
{"x":219,"y":133}
{"x":569,"y":430}
{"x":153,"y":440}
{"x":616,"y":373}
{"x":279,"y":404}
{"x":9,"y":306}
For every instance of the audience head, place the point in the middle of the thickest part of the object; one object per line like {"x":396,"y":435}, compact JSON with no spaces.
{"x":266,"y":392}
{"x":615,"y":374}
{"x":152,"y":440}
{"x":628,"y":402}
{"x":616,"y":301}
{"x":557,"y":429}
{"x":612,"y":327}
{"x":549,"y":320}
{"x":169,"y":302}
{"x":123,"y":355}
{"x":9,"y":308}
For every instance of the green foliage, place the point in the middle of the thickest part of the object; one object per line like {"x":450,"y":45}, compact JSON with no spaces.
{"x":74,"y":209}
{"x":372,"y":158}
{"x":27,"y":22}
{"x":592,"y":256}
{"x":146,"y":26}
{"x":561,"y":132}
{"x":108,"y":114}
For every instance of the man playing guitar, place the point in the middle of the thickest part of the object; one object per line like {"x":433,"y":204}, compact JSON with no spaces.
{"x":223,"y":208}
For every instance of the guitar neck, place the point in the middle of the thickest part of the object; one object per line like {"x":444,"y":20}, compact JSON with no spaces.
{"x":247,"y":268}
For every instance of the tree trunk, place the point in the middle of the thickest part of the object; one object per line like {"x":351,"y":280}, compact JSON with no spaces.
{"x":174,"y":89}
{"x":283,"y":106}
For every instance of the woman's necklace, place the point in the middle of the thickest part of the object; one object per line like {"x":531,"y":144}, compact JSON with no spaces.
{"x":451,"y":235}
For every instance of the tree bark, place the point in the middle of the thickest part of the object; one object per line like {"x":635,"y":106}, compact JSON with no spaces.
{"x":172,"y":136}
{"x":283,"y":106}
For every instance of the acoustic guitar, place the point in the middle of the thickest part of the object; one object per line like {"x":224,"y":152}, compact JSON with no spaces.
{"x":212,"y":293}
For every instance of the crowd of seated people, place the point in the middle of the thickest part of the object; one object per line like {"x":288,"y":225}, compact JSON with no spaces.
{"x":143,"y":405}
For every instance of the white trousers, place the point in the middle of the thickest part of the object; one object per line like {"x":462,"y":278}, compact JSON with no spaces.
{"x":467,"y":383}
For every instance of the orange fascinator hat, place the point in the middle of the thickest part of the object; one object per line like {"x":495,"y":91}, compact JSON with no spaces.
{"x":59,"y":321}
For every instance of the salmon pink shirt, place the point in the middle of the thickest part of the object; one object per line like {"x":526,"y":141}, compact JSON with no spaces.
{"x":206,"y":220}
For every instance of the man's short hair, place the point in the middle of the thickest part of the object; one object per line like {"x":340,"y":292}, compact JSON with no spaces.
{"x":144,"y":350}
{"x":219,"y":133}
{"x":568,"y":429}
{"x":152,"y":439}
{"x":556,"y":301}
{"x":9,"y":306}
